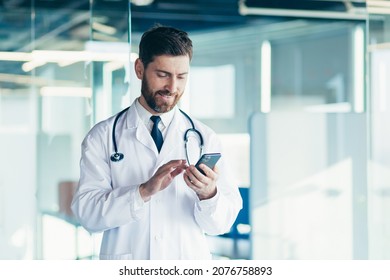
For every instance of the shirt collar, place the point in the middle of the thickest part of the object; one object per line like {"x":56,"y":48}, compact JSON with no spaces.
{"x":145,"y":115}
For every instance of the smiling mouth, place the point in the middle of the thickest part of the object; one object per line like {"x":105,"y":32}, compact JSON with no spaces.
{"x":165,"y":95}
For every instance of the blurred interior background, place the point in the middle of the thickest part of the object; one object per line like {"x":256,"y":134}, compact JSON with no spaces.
{"x":297,"y":90}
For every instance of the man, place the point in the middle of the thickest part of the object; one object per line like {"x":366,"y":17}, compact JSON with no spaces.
{"x":151,"y":204}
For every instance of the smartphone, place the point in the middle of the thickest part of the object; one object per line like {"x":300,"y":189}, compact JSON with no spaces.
{"x":208,"y":159}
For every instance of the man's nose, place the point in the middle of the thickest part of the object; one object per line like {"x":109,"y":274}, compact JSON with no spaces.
{"x":171,"y":85}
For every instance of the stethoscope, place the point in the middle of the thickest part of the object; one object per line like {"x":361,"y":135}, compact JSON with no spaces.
{"x":117,"y":156}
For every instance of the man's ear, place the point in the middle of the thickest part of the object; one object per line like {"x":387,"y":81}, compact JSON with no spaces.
{"x":139,"y":68}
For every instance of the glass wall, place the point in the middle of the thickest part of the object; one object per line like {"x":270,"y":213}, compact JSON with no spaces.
{"x":308,"y":160}
{"x":18,"y":124}
{"x":96,"y":66}
{"x":64,"y":68}
{"x":379,"y":108}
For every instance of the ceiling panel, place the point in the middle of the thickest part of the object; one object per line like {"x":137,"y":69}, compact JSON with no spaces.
{"x":69,"y":24}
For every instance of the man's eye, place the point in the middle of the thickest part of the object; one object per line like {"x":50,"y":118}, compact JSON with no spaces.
{"x":162,"y":75}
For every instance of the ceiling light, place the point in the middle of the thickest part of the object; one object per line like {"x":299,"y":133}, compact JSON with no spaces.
{"x":67,"y":91}
{"x":15,"y":56}
{"x":142,"y":2}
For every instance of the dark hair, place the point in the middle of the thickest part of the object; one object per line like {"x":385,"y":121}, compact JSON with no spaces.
{"x":163,"y":40}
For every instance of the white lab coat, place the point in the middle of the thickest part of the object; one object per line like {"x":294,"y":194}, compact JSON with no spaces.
{"x":169,"y":226}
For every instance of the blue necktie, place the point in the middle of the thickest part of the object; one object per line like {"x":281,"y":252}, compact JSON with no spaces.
{"x":156,"y":133}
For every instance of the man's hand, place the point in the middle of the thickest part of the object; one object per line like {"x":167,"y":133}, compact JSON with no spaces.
{"x":162,"y":178}
{"x":203,"y":185}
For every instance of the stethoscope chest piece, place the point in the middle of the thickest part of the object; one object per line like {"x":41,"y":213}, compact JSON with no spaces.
{"x":116,"y":157}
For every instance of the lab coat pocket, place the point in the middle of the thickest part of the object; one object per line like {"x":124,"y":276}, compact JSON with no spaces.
{"x":116,"y":257}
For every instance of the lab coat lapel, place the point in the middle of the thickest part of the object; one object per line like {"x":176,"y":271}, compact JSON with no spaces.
{"x":141,"y":132}
{"x":173,"y":143}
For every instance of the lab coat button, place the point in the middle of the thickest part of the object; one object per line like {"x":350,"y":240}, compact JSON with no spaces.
{"x":157,"y":237}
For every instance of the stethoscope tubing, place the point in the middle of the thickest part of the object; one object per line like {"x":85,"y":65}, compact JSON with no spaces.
{"x":117,"y":156}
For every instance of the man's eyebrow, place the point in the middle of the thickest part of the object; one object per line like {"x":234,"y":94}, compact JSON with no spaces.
{"x":169,"y":73}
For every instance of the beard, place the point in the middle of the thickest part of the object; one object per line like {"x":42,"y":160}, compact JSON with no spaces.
{"x":154,"y":100}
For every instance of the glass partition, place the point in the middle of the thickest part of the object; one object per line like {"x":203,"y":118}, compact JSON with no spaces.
{"x":18,"y":122}
{"x":379,"y":108}
{"x":64,"y":107}
{"x":308,"y":185}
{"x":94,"y":74}
{"x":63,"y":69}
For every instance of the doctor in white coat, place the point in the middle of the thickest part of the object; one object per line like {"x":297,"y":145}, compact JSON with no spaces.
{"x":153,"y":204}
